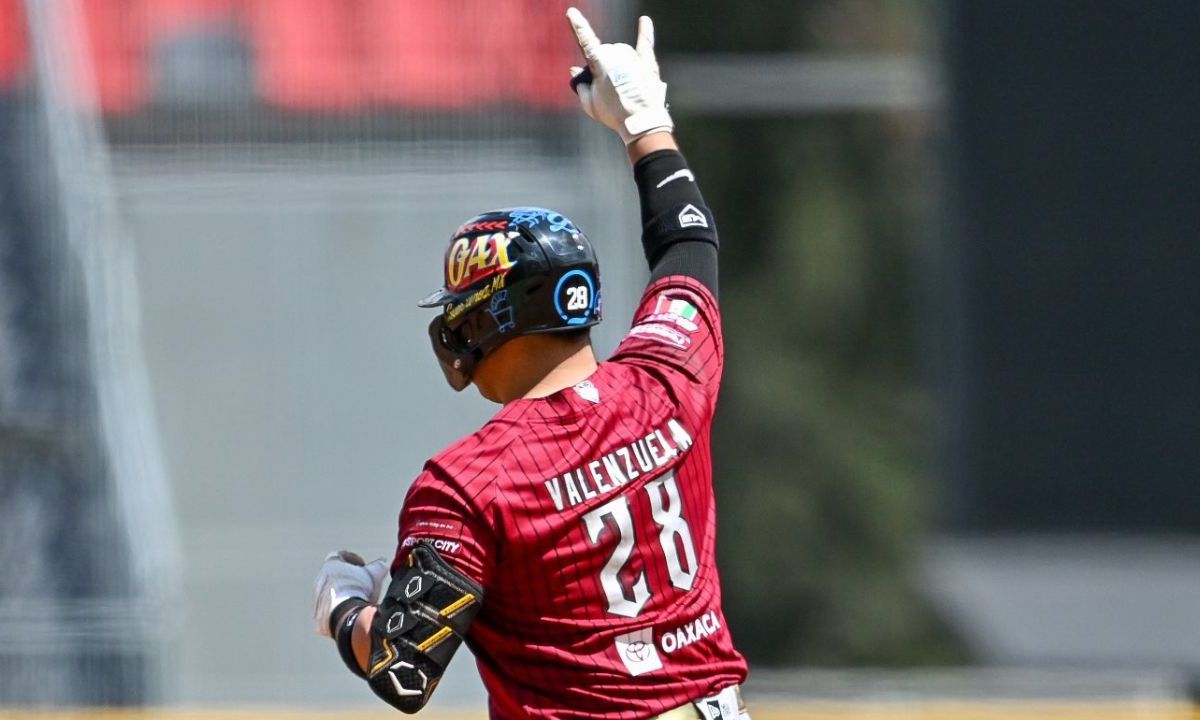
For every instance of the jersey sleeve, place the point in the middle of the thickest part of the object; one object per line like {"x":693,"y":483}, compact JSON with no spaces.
{"x":446,"y":516}
{"x":677,"y":331}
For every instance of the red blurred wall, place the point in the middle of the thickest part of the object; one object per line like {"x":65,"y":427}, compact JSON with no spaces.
{"x":13,"y":49}
{"x":332,"y":55}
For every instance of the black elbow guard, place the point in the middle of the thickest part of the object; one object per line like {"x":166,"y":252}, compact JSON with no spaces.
{"x":420,"y":624}
{"x":685,"y":222}
{"x":673,"y":209}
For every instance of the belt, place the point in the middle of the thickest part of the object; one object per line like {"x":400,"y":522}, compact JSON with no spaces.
{"x":688,"y":711}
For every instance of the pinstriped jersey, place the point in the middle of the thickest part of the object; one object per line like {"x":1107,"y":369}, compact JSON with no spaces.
{"x":588,"y":517}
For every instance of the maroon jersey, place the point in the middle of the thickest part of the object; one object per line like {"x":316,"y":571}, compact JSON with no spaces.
{"x":588,"y":518}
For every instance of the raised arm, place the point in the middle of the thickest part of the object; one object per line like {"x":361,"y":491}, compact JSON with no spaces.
{"x":621,"y":88}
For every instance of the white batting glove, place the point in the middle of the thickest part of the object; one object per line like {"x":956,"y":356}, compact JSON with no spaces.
{"x":344,"y":576}
{"x":626,"y":93}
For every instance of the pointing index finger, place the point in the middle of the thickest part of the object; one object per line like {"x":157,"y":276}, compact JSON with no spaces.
{"x":645,"y":37}
{"x":588,"y":42}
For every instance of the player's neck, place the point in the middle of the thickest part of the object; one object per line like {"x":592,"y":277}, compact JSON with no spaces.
{"x":568,"y":372}
{"x":533,"y":366}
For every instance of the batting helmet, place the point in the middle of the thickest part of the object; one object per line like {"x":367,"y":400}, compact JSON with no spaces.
{"x":511,"y":272}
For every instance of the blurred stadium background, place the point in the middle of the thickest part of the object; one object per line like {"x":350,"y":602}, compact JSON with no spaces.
{"x":958,"y":448}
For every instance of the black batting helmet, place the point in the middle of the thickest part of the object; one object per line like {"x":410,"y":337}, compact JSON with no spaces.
{"x":511,"y":272}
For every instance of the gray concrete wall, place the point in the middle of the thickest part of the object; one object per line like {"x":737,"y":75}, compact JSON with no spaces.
{"x":295,"y":390}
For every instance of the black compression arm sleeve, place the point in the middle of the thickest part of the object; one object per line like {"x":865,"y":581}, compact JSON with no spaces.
{"x":679,"y":234}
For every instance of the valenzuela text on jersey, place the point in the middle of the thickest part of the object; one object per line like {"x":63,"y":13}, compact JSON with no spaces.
{"x":660,"y":447}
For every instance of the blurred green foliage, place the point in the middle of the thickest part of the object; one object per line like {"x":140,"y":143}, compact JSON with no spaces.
{"x":821,"y":445}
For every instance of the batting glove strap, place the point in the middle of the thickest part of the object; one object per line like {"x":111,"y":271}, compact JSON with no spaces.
{"x":344,"y":577}
{"x":648,"y":121}
{"x":341,"y":626}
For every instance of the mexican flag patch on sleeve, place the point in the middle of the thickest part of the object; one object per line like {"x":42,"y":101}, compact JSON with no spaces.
{"x":676,"y":311}
{"x":675,"y":306}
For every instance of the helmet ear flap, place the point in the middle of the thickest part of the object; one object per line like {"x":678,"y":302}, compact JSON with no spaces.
{"x":457,"y":364}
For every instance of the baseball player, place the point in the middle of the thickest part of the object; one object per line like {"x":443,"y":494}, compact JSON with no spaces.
{"x":570,"y":541}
